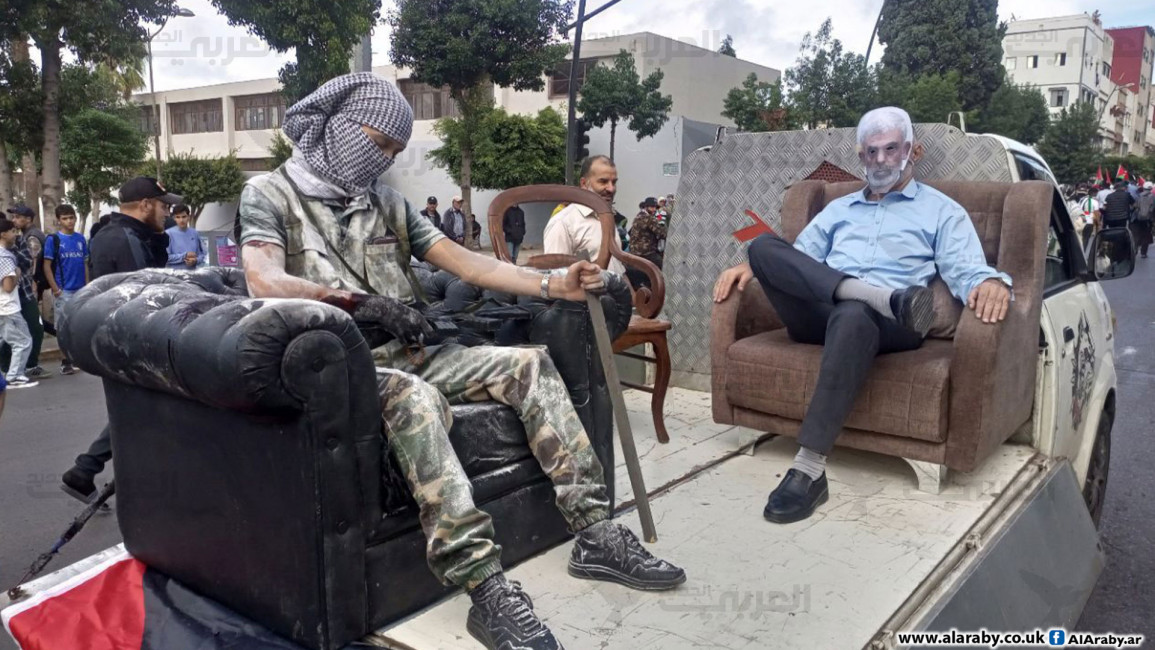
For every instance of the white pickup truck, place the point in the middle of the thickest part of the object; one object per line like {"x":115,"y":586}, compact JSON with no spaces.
{"x":1010,"y":547}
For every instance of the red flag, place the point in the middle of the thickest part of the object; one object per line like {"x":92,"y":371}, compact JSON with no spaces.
{"x":1141,"y":181}
{"x":749,"y":233}
{"x":1122,"y":173}
{"x":1099,"y":176}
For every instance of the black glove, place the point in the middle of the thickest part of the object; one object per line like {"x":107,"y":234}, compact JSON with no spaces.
{"x":381,"y":319}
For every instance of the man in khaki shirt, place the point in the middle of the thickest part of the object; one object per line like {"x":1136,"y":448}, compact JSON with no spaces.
{"x":576,"y":230}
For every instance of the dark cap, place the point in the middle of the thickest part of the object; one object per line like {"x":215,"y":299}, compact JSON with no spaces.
{"x":1120,"y":184}
{"x":146,"y":187}
{"x":22,"y":210}
{"x":432,"y":199}
{"x":650,"y":202}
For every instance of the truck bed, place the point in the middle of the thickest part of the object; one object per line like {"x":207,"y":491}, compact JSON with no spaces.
{"x":832,"y":581}
{"x":879,"y":557}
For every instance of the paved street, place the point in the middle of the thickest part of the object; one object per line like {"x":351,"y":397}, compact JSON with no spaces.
{"x":44,"y":428}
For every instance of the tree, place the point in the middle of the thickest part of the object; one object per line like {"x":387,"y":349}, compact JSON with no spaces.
{"x":929,"y":98}
{"x":201,"y":181}
{"x":1018,"y":112}
{"x":280,"y":150}
{"x":757,"y":106}
{"x":1071,"y":143}
{"x":615,"y":93}
{"x":20,"y":102}
{"x":468,"y":46}
{"x":100,"y":151}
{"x":509,"y":150}
{"x":728,"y":47}
{"x":322,"y":32}
{"x":828,"y":87}
{"x":935,"y":37}
{"x":91,"y":31}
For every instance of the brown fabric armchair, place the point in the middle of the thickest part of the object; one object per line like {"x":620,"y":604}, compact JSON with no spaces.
{"x":950,"y":403}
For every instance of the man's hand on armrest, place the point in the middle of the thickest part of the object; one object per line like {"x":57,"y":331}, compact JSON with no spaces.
{"x":990,"y":301}
{"x":741,"y":274}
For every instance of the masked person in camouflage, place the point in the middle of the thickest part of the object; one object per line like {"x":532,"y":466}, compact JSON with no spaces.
{"x":324,"y":226}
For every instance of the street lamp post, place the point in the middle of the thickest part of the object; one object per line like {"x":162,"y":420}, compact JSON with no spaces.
{"x":180,"y":13}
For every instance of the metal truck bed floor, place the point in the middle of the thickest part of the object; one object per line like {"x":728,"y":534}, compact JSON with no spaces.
{"x":829,"y":582}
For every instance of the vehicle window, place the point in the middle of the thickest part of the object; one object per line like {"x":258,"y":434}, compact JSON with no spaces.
{"x":1032,"y":170}
{"x":1058,"y":264}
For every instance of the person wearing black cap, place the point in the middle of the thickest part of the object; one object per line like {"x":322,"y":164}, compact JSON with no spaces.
{"x":134,"y":239}
{"x":430,"y":212}
{"x":647,"y":235}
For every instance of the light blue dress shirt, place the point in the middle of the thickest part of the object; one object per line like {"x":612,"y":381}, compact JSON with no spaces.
{"x":901,"y":241}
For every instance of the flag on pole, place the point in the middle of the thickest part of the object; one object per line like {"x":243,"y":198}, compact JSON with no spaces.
{"x":1122,"y":173}
{"x":1099,"y":176}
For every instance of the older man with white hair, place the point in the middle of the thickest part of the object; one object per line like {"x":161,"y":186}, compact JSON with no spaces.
{"x":856,"y":281}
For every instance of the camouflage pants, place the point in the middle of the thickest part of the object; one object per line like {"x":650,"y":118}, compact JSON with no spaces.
{"x":415,"y":404}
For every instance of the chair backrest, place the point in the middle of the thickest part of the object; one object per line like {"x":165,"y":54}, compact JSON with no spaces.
{"x":983,"y":201}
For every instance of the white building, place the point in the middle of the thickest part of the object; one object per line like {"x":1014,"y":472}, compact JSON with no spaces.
{"x":242,"y":117}
{"x":1068,"y":58}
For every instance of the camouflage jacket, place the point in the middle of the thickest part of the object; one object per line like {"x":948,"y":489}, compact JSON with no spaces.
{"x":646,"y":234}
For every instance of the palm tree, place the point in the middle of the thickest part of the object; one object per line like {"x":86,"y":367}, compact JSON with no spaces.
{"x":126,"y":75}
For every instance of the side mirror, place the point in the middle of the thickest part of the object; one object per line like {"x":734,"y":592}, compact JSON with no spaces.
{"x":1112,"y":254}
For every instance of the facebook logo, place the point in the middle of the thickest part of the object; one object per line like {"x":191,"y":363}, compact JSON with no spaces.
{"x":1057,"y":637}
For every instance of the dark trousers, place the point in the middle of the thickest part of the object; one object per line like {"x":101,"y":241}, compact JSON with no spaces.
{"x":852,"y":333}
{"x":31,"y":313}
{"x":98,"y":454}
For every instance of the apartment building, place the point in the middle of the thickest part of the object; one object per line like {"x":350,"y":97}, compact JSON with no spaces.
{"x":1074,"y":58}
{"x":243,"y":117}
{"x":1131,"y":67}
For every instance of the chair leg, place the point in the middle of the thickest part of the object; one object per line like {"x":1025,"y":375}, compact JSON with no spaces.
{"x":931,"y":476}
{"x":661,"y":383}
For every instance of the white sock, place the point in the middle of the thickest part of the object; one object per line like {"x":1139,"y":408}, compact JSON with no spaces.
{"x":810,"y":463}
{"x":877,"y":297}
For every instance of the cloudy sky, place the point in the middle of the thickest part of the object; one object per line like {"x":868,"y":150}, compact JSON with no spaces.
{"x":206,"y":50}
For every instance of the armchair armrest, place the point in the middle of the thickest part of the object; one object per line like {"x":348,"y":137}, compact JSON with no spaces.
{"x":741,"y":315}
{"x":994,"y":367}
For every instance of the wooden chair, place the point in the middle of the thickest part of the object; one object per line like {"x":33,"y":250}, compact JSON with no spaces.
{"x":645,"y":326}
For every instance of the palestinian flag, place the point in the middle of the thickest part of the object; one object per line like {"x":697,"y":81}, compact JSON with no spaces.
{"x":1099,"y":176}
{"x":1122,"y":173}
{"x":121,"y":604}
{"x":1141,"y":182}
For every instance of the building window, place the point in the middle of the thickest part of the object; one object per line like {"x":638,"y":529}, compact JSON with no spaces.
{"x":1061,"y":59}
{"x":147,"y":123}
{"x":428,"y":103}
{"x":559,"y":79}
{"x":1033,"y":61}
{"x":1106,"y":69}
{"x":259,"y":112}
{"x":1010,"y":63}
{"x":196,"y":117}
{"x":1058,"y":97}
{"x":1088,"y":96}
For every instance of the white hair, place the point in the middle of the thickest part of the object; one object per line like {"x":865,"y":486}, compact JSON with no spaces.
{"x":882,"y":120}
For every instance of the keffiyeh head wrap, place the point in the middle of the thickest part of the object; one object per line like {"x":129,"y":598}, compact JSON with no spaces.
{"x":326,"y":127}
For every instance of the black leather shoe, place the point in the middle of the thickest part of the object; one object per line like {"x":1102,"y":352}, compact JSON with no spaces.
{"x":796,"y":498}
{"x":502,"y":618}
{"x":913,"y":308}
{"x":78,"y":485}
{"x":607,"y":551}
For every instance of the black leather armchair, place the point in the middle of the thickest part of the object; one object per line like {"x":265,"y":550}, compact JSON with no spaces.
{"x":249,"y":458}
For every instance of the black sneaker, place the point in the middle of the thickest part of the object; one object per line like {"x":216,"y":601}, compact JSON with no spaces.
{"x":78,"y":484}
{"x":502,"y":618}
{"x":37,"y":372}
{"x":913,"y":308}
{"x":67,"y":369}
{"x":610,"y":552}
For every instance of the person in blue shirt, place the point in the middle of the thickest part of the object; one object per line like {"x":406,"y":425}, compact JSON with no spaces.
{"x":856,"y":281}
{"x":184,"y":243}
{"x":65,"y":266}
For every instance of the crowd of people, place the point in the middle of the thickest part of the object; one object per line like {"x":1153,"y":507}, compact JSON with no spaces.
{"x":1122,"y":204}
{"x":41,"y":272}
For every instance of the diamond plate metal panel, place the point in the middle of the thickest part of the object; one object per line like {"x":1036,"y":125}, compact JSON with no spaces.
{"x":751,"y":171}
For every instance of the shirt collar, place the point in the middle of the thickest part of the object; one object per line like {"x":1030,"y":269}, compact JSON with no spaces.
{"x":910,"y":191}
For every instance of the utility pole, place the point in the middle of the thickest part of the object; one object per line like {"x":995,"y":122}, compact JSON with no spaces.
{"x":571,"y":135}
